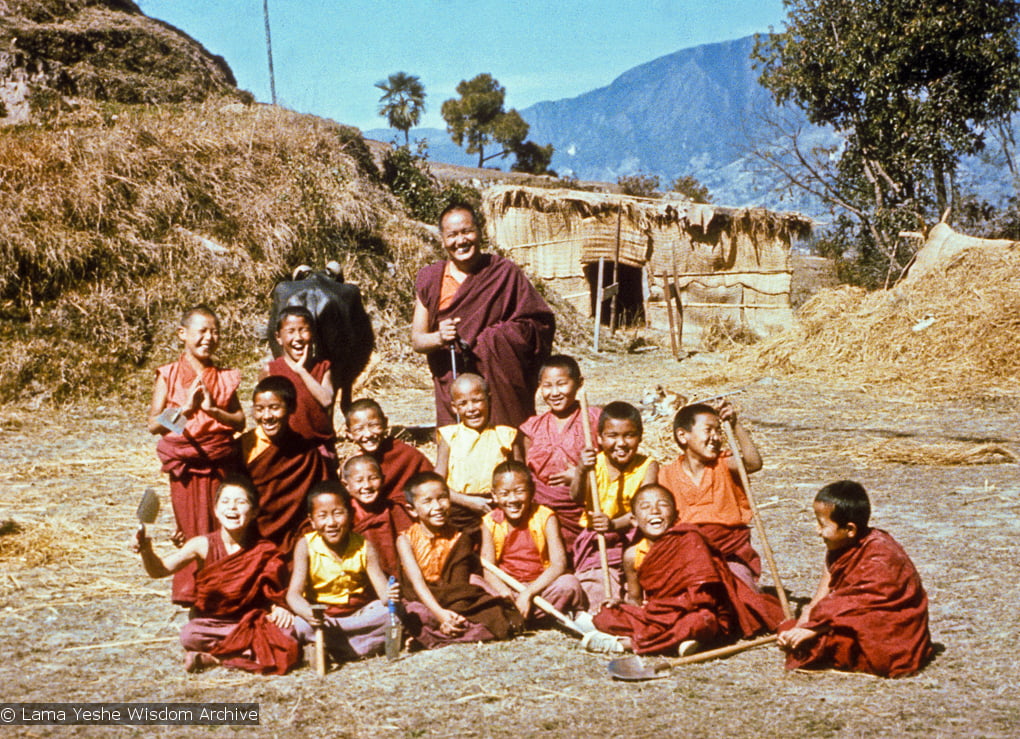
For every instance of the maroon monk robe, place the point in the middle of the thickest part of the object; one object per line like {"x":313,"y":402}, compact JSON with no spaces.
{"x":311,"y":420}
{"x":689,"y":593}
{"x":733,"y":542}
{"x":552,"y":450}
{"x":380,"y":523}
{"x":509,"y":331}
{"x":875,"y":617}
{"x":456,"y":592}
{"x":243,"y":586}
{"x":398,"y":463}
{"x":196,"y":460}
{"x":282,"y":472}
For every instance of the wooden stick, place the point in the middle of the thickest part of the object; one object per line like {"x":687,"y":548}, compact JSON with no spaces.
{"x":320,"y":640}
{"x":598,"y":303}
{"x":538,"y":600}
{"x":127,"y":643}
{"x":596,"y":504}
{"x":723,"y":651}
{"x":731,"y":437}
{"x":672,"y":319}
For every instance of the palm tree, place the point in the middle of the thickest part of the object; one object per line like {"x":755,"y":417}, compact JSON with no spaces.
{"x":402,"y":102}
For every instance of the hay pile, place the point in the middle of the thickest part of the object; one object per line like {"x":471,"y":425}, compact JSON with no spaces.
{"x":113,"y":219}
{"x":932,"y":454}
{"x":951,"y":330}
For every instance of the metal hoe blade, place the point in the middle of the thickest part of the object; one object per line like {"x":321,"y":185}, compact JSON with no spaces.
{"x":148,"y":508}
{"x":634,"y":669}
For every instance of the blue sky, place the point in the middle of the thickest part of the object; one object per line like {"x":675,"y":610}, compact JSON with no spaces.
{"x":329,"y":54}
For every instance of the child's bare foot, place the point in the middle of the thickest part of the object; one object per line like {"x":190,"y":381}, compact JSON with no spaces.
{"x":198,"y":661}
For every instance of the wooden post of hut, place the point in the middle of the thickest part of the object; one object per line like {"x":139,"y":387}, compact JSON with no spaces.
{"x":616,"y":271}
{"x":598,"y":303}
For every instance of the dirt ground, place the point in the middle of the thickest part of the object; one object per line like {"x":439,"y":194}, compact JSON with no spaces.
{"x":71,"y":484}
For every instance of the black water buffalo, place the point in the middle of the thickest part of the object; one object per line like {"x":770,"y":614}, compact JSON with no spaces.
{"x":344,"y":329}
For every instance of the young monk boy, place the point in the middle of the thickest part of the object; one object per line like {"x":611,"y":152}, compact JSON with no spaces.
{"x":619,"y":472}
{"x":310,"y":375}
{"x":680,"y":593}
{"x":523,"y":539}
{"x":367,"y":426}
{"x":441,"y":565}
{"x":705,"y":483}
{"x":237,"y":619}
{"x":553,"y":442}
{"x":282,"y":465}
{"x":375,"y":517}
{"x":339,"y":568}
{"x":198,"y":458}
{"x":870,"y":613}
{"x":468,"y":451}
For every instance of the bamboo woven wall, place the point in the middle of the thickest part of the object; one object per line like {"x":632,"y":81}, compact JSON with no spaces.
{"x":736,"y":257}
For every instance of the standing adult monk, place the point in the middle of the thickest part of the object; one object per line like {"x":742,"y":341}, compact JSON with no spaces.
{"x":478,"y":310}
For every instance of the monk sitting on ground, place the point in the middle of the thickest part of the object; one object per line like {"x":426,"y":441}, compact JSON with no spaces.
{"x":870,"y":613}
{"x":375,"y":517}
{"x":619,"y":471}
{"x":340,"y":569}
{"x":523,"y":539}
{"x":203,"y":398}
{"x":367,"y":426}
{"x":468,"y":451}
{"x":680,"y":593}
{"x":441,"y":565}
{"x":238,"y":619}
{"x":706,"y":485}
{"x":283,"y":465}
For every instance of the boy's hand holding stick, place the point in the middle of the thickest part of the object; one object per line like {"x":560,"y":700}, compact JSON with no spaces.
{"x":759,"y":526}
{"x":596,"y":504}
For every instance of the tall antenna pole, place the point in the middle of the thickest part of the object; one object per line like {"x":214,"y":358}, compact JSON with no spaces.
{"x":269,"y":51}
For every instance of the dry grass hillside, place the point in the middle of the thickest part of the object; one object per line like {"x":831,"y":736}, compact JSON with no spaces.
{"x":114,"y":218}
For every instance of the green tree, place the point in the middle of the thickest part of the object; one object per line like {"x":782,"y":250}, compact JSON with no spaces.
{"x":909,"y":87}
{"x":478,"y":118}
{"x":639,"y":185}
{"x":533,"y":159}
{"x":689,"y":186}
{"x":402,"y":102}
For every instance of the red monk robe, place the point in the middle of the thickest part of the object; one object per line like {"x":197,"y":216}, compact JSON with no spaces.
{"x":398,"y":463}
{"x":282,"y":471}
{"x":198,"y":459}
{"x":491,"y":617}
{"x":875,"y":617}
{"x":310,"y":420}
{"x":551,"y":450}
{"x":689,"y":593}
{"x":718,"y":506}
{"x":380,"y":523}
{"x":508,"y":328}
{"x":234,"y":593}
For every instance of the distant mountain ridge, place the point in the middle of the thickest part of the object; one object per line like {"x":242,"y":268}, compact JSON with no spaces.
{"x":691,"y":112}
{"x":698,"y":111}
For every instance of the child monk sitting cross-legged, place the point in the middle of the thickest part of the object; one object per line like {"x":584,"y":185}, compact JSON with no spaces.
{"x":870,"y":613}
{"x":441,"y":565}
{"x":338,"y":568}
{"x":680,"y":593}
{"x":238,"y":619}
{"x":523,"y":539}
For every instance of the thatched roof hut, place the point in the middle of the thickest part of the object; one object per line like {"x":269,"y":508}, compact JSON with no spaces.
{"x":730,"y":265}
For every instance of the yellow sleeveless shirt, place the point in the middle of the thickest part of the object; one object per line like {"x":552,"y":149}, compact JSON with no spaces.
{"x":332,"y":578}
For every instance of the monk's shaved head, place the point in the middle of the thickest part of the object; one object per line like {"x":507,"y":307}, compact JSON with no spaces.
{"x":467,"y":382}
